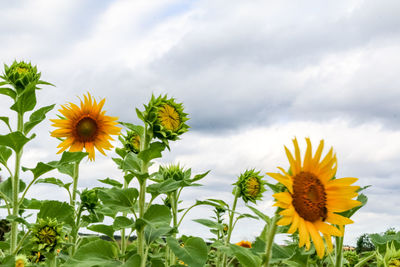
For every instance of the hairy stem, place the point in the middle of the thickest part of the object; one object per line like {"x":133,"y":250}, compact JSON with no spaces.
{"x":230,"y":224}
{"x":15,"y":187}
{"x":270,"y":235}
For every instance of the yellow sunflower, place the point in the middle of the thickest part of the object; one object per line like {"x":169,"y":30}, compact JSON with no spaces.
{"x":86,"y":127}
{"x":245,"y":244}
{"x":314,"y":197}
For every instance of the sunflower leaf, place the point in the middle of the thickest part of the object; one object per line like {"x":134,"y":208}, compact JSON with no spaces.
{"x":194,"y":253}
{"x":9,"y":92}
{"x":14,"y":140}
{"x":6,"y":120}
{"x":62,"y":211}
{"x":131,"y":163}
{"x":108,"y":230}
{"x":260,"y":214}
{"x":5,"y":154}
{"x":37,"y":117}
{"x":210,"y":224}
{"x":245,"y":256}
{"x":110,"y":181}
{"x":122,"y":222}
{"x":153,"y":152}
{"x":6,"y":187}
{"x":40,"y":169}
{"x":72,"y":157}
{"x":26,"y":101}
{"x":51,"y":180}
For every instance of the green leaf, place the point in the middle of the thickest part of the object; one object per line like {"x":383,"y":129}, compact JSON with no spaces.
{"x":154,"y":151}
{"x":36,"y":117}
{"x":261,"y":215}
{"x":51,"y":180}
{"x":158,"y":214}
{"x":210,"y":224}
{"x":13,"y":218}
{"x":72,"y":157}
{"x":4,"y":245}
{"x":14,"y":140}
{"x":6,"y":120}
{"x":245,"y":257}
{"x":25,"y":101}
{"x":102,"y":228}
{"x":40,"y":169}
{"x":122,"y":222}
{"x":59,"y":210}
{"x":153,"y":233}
{"x":194,"y":253}
{"x":131,"y":163}
{"x":136,"y":128}
{"x":5,"y":154}
{"x":133,"y":261}
{"x":66,"y":169}
{"x":163,"y":187}
{"x":98,"y":253}
{"x":118,"y":199}
{"x":6,"y":188}
{"x":199,"y":177}
{"x":32,"y":204}
{"x":7,"y":91}
{"x":111,"y":182}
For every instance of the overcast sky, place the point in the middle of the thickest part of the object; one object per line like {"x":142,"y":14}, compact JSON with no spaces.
{"x":251,"y":74}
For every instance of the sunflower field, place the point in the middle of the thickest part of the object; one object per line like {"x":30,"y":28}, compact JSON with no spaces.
{"x":312,"y":205}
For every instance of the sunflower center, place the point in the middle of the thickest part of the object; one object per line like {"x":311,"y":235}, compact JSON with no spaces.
{"x":86,"y":129}
{"x":253,"y":186}
{"x":169,"y":117}
{"x":47,"y":235}
{"x":309,"y":197}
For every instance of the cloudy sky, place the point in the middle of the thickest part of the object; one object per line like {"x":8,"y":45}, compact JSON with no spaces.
{"x":251,"y":74}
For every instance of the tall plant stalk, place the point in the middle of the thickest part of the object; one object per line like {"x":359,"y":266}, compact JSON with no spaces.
{"x":75,"y":229}
{"x":230,"y":224}
{"x":339,"y":250}
{"x":15,"y":186}
{"x":270,"y":235}
{"x":123,"y":235}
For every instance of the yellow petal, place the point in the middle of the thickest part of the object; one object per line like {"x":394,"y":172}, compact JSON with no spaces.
{"x":327,"y":229}
{"x":283,"y":180}
{"x":284,"y":221}
{"x":317,"y":239}
{"x":337,"y":219}
{"x":304,"y":237}
{"x":295,"y":224}
{"x":298,"y":157}
{"x":307,"y":157}
{"x":341,"y":204}
{"x":284,"y":197}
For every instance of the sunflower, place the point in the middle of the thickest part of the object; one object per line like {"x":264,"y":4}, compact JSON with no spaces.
{"x":166,"y":118}
{"x":86,"y":127}
{"x":313,"y":197}
{"x":250,"y":186}
{"x":245,"y":244}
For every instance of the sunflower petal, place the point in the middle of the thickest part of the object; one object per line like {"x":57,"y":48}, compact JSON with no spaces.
{"x":337,"y":219}
{"x":317,"y":239}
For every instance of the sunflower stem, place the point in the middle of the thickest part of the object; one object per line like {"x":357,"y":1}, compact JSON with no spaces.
{"x":339,"y":251}
{"x":270,"y":239}
{"x":123,"y":237}
{"x":15,"y":186}
{"x":231,"y":215}
{"x":75,"y":228}
{"x":174,"y":207}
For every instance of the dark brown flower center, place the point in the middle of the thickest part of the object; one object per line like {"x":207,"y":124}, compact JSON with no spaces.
{"x":309,"y":197}
{"x":86,"y":129}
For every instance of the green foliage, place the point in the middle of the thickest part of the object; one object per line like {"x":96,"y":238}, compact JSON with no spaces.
{"x":14,"y":140}
{"x":61,"y":211}
{"x":245,"y":256}
{"x":193,"y":252}
{"x":351,"y":258}
{"x":99,"y":253}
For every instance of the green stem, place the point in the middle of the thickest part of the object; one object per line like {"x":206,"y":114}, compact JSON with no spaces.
{"x":270,"y":235}
{"x":339,"y":251}
{"x":174,"y":207}
{"x":75,"y":184}
{"x":184,"y":214}
{"x":21,"y":241}
{"x":230,"y":230}
{"x":15,"y":187}
{"x":365,"y":260}
{"x":4,"y":197}
{"x":53,"y":261}
{"x":123,"y":238}
{"x":142,"y":199}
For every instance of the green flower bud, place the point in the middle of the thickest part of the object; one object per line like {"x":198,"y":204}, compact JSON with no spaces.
{"x":131,"y":142}
{"x":20,"y":74}
{"x":172,"y":171}
{"x":47,"y":235}
{"x":250,"y":186}
{"x":166,"y":118}
{"x":89,"y":199}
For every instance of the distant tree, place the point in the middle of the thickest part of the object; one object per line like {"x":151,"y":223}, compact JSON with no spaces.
{"x":390,"y":231}
{"x":364,"y":243}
